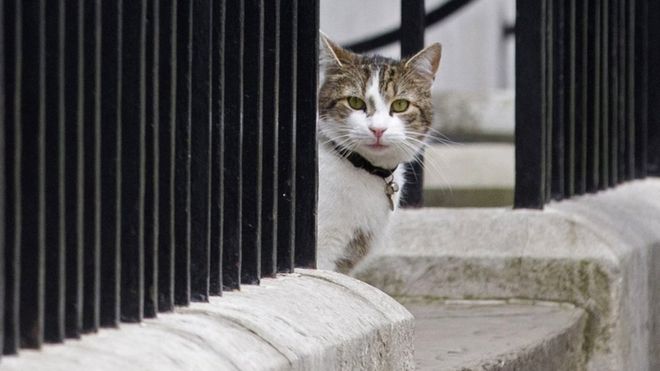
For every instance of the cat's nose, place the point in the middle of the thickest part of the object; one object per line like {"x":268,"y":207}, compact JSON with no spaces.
{"x":378,"y":132}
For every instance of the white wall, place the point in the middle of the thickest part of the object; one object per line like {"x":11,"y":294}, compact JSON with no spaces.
{"x":475,"y":55}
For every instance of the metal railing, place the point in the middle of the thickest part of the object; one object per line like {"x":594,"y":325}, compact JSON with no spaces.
{"x":587,"y":112}
{"x":153,"y":153}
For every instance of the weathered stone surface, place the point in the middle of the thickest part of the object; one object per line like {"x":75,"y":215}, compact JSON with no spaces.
{"x":311,"y":320}
{"x":598,"y":252}
{"x":497,"y":336}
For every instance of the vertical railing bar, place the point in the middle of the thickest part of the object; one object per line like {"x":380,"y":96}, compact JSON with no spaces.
{"x":12,"y":78}
{"x":270,"y":138}
{"x":167,"y":152}
{"x":286,"y":151}
{"x":4,"y":166}
{"x":252,"y":142}
{"x":412,"y":41}
{"x":641,"y":88}
{"x":570,"y":62}
{"x":582,"y":109}
{"x":560,"y":91}
{"x":55,"y":176}
{"x":653,"y":124}
{"x":631,"y":124}
{"x":200,"y":166}
{"x":182,"y":167}
{"x":133,"y":160}
{"x":549,"y":76}
{"x":152,"y":158}
{"x":233,"y":148}
{"x":530,"y":120}
{"x":217,"y":145}
{"x":593,"y":97}
{"x":628,"y":119}
{"x":306,"y":143}
{"x":111,"y":174}
{"x":613,"y":105}
{"x":621,"y":138}
{"x":74,"y":49}
{"x":92,"y":118}
{"x":32,"y":174}
{"x":605,"y":108}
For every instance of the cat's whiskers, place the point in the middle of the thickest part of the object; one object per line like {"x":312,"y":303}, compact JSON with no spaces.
{"x":436,"y":135}
{"x":430,"y":164}
{"x":337,"y":139}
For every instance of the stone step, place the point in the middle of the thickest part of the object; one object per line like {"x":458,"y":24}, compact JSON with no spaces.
{"x":497,"y":336}
{"x":470,"y":116}
{"x":469,"y":175}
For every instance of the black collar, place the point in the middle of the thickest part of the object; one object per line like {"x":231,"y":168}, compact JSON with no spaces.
{"x":360,"y":162}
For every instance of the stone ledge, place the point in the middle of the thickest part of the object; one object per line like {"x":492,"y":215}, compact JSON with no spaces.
{"x":309,"y":320}
{"x":472,"y":335}
{"x":599,"y":252}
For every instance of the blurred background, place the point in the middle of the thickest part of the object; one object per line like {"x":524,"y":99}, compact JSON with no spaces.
{"x":471,"y":161}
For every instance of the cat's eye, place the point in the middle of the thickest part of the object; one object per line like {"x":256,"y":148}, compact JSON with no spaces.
{"x":400,"y":105}
{"x":356,"y":103}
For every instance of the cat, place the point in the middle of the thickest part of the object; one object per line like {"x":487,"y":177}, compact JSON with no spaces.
{"x":374,"y":115}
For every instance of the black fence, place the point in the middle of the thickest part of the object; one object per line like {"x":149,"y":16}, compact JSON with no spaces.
{"x":587,"y":102}
{"x":152,"y":153}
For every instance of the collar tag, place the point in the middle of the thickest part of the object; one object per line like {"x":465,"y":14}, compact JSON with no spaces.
{"x":390,"y":189}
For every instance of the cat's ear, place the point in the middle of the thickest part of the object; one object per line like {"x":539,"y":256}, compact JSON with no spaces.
{"x":427,"y":61}
{"x":333,"y":54}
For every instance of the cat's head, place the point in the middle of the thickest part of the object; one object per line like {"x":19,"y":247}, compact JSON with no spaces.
{"x":378,"y":107}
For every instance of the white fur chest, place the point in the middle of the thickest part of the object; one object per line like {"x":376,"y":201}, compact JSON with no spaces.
{"x":350,"y":200}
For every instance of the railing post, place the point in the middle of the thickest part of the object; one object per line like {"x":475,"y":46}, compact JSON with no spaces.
{"x":200,"y":150}
{"x":286,"y":209}
{"x":133,"y":157}
{"x":182,"y":157}
{"x":306,"y":144}
{"x":412,"y":41}
{"x":3,"y":166}
{"x":217,"y":144}
{"x":55,"y":176}
{"x":653,"y":90}
{"x":233,"y":145}
{"x":32,"y":125}
{"x":252,"y":141}
{"x":270,"y":175}
{"x":110,"y":163}
{"x":152,"y":159}
{"x":74,"y":165}
{"x":530,"y":107}
{"x":92,"y":150}
{"x":167,"y":156}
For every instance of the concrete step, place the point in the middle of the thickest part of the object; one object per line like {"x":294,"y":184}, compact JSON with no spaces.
{"x":497,"y":336}
{"x":474,"y":116}
{"x":469,"y":175}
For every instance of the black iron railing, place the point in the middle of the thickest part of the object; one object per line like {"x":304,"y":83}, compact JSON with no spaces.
{"x":153,"y":153}
{"x":587,"y":112}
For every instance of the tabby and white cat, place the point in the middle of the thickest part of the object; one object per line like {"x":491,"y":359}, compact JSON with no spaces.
{"x":374,"y":114}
